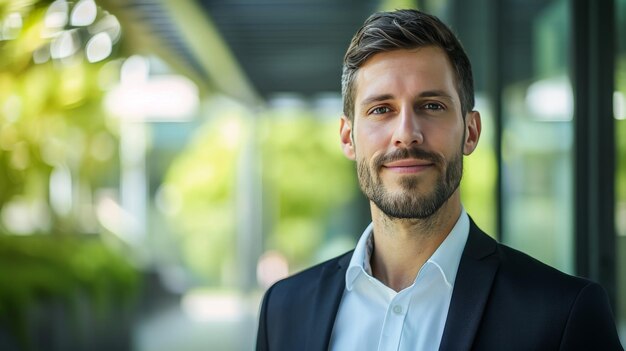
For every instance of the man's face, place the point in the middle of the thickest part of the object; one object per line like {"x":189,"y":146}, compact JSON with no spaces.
{"x":408,"y":136}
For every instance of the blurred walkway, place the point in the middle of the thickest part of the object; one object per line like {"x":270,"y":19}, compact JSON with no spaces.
{"x":201,"y":321}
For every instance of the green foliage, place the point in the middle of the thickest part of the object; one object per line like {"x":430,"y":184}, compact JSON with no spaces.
{"x":50,"y":114}
{"x":59,"y":268}
{"x":306,"y":177}
{"x":303,"y":174}
{"x":620,"y":137}
{"x":620,"y":131}
{"x":203,"y":177}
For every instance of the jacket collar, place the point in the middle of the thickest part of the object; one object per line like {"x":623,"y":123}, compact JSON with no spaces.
{"x":479,"y":264}
{"x":326,"y":301}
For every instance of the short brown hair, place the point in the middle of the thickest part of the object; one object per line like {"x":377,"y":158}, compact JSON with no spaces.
{"x":404,"y":29}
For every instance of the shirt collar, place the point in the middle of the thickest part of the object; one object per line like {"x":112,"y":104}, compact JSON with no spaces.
{"x":360,"y":261}
{"x":446,"y":258}
{"x":448,"y":255}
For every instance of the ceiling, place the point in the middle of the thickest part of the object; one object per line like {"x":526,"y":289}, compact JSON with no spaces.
{"x":249,"y":49}
{"x":289,"y":46}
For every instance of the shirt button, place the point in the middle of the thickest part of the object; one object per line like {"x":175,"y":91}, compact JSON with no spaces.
{"x":397,"y":309}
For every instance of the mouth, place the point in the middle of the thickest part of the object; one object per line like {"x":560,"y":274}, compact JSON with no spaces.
{"x":408,"y":166}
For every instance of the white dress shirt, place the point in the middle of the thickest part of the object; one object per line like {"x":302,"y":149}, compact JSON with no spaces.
{"x":373,"y":316}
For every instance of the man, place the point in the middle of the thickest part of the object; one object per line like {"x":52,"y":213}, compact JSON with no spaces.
{"x":423,"y":276}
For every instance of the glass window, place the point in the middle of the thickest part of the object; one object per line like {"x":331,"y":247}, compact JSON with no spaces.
{"x":619,"y":107}
{"x":537,"y":129}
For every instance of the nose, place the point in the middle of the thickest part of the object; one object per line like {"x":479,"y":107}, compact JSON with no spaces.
{"x":408,"y":130}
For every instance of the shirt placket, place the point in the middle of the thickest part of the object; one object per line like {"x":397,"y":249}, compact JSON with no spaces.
{"x":394,"y":322}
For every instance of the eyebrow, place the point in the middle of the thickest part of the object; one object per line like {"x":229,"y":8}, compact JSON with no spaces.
{"x":435,"y":93}
{"x":376,"y":98}
{"x":428,"y":93}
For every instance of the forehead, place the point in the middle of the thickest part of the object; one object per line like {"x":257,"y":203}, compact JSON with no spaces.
{"x":401,"y":72}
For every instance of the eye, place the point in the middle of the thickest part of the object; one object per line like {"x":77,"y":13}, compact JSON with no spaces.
{"x":433,"y":106}
{"x":380,"y":110}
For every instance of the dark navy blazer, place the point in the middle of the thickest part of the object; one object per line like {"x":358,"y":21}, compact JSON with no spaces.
{"x":502,"y":300}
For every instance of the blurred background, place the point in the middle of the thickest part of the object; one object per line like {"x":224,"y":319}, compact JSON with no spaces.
{"x":163,"y":162}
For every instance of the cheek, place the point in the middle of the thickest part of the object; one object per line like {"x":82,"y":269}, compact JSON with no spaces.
{"x":447,"y":138}
{"x":368,"y":145}
{"x":370,"y":136}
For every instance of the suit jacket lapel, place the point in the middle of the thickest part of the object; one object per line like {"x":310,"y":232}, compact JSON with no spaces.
{"x":325,"y":303}
{"x":477,"y":269}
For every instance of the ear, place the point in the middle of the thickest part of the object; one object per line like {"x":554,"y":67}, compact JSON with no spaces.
{"x":345,"y":133}
{"x":472,"y":132}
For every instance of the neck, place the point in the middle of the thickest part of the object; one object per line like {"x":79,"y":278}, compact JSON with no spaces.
{"x":402,"y":246}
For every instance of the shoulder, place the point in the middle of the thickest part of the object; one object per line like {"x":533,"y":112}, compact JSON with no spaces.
{"x":522,"y":282}
{"x":575,"y":309}
{"x":516,"y":268}
{"x":526,"y":271}
{"x":305,"y":277}
{"x":289,"y":306}
{"x":553,"y":309}
{"x":303,"y":285}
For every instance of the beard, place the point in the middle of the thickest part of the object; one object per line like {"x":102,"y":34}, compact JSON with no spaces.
{"x":411,"y":203}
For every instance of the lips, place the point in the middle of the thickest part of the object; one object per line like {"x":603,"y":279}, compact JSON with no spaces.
{"x":411,"y":162}
{"x":408,"y":165}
